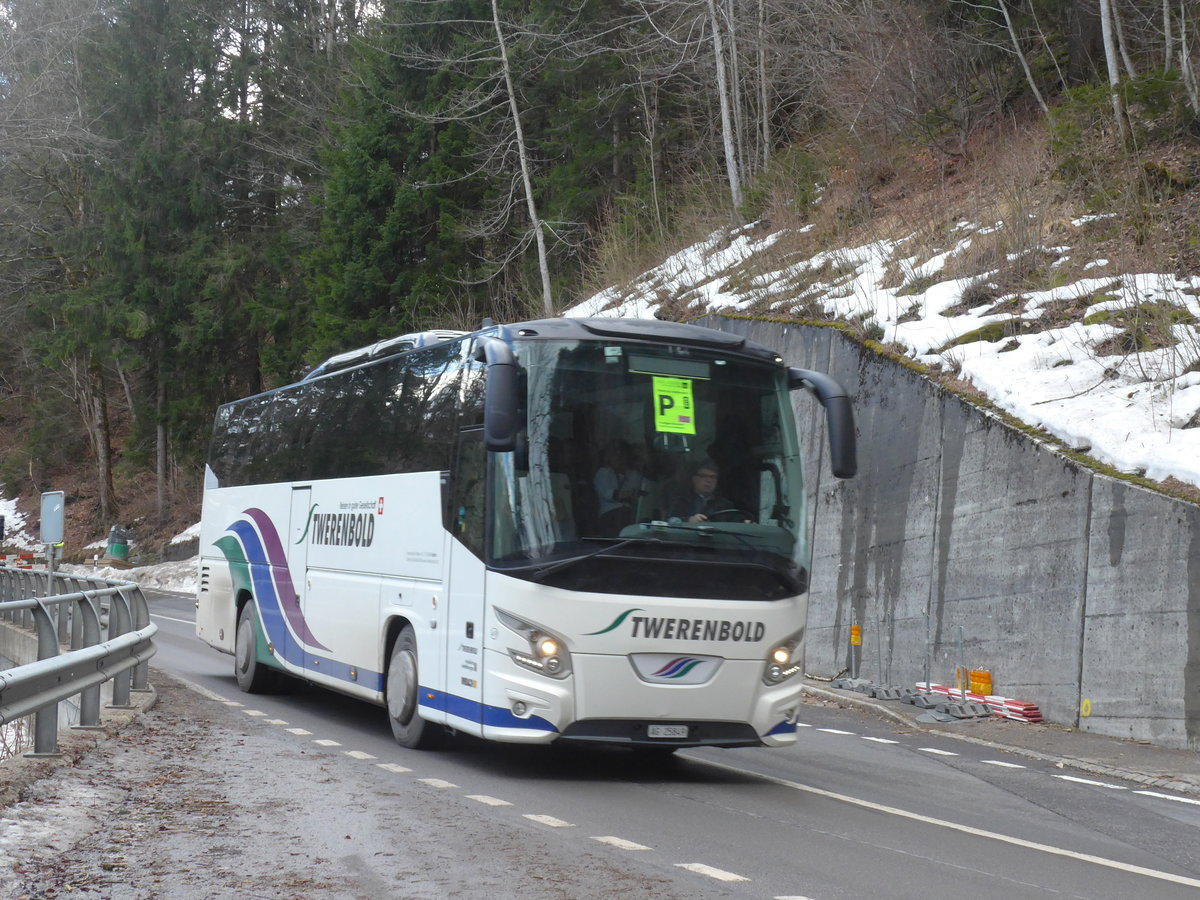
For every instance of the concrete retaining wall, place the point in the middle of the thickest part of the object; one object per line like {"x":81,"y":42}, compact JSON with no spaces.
{"x":962,"y":539}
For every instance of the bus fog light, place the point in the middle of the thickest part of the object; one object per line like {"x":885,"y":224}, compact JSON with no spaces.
{"x":547,"y":646}
{"x":519,"y":708}
{"x":781,"y":655}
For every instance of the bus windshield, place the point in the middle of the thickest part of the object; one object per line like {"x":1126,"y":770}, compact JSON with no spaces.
{"x":651,"y":469}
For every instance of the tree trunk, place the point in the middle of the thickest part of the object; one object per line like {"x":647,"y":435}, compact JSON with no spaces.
{"x":1168,"y":40}
{"x":1114,"y":73}
{"x":160,"y":447}
{"x":731,"y":163}
{"x":1120,"y":32}
{"x":526,"y":178}
{"x":1012,"y":34}
{"x":764,"y":93}
{"x":96,"y":403}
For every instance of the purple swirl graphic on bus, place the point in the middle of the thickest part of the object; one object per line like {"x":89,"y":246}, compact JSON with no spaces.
{"x":273,"y":587}
{"x":677,"y":668}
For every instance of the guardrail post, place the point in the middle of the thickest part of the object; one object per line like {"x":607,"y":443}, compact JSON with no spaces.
{"x":89,"y":698}
{"x":120,"y":622}
{"x":140,"y":611}
{"x":45,"y":720}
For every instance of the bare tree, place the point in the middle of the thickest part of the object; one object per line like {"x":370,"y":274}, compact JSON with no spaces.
{"x":1112,"y":64}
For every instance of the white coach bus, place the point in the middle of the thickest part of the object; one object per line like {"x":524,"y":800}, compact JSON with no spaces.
{"x":418,"y":524}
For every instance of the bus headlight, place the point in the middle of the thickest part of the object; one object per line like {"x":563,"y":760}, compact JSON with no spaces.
{"x":547,"y":652}
{"x":784,"y":660}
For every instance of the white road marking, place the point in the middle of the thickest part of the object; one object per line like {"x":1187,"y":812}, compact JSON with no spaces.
{"x":719,"y":874}
{"x":937,"y":751}
{"x":1006,"y":765}
{"x":879,"y":740}
{"x":791,"y":898}
{"x":393,"y":767}
{"x":359,"y":754}
{"x":299,"y":731}
{"x":1111,"y":787}
{"x":549,"y":820}
{"x":803,"y":725}
{"x":276,"y":722}
{"x":254,"y":712}
{"x":325,"y":742}
{"x":437,"y":783}
{"x":620,"y":843}
{"x":171,"y":619}
{"x":1169,"y":797}
{"x":231,"y":703}
{"x":954,"y":826}
{"x":834,"y":731}
{"x":488,"y":801}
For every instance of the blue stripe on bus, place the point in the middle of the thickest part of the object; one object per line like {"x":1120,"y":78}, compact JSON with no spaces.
{"x":474,"y":711}
{"x":784,"y":727}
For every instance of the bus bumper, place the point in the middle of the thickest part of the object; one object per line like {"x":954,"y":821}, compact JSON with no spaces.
{"x":606,"y":702}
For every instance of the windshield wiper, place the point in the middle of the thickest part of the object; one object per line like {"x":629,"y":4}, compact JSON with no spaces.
{"x":538,"y":573}
{"x":700,"y":528}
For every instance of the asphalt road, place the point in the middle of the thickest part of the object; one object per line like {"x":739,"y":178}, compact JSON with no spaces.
{"x":861,"y":807}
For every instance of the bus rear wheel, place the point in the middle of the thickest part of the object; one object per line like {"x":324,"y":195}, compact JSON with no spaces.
{"x":252,"y":676}
{"x":409,"y":729}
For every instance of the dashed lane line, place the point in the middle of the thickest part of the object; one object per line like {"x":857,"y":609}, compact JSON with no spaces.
{"x":299,"y":732}
{"x":325,"y":742}
{"x":276,"y":722}
{"x":488,"y":801}
{"x":879,"y":740}
{"x":719,"y":874}
{"x":1001,"y":763}
{"x":549,"y":820}
{"x":439,"y":783}
{"x":1090,"y":782}
{"x":621,"y":843}
{"x":256,"y":713}
{"x":394,"y":767}
{"x":359,"y":754}
{"x":936,"y":752}
{"x":835,"y":731}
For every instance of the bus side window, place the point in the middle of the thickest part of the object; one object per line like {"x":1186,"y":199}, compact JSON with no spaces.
{"x":467,"y":483}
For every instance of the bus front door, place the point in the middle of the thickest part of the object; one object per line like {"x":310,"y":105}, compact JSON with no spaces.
{"x":465,"y":588}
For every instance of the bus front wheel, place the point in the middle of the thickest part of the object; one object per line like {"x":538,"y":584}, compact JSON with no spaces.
{"x":252,"y":676}
{"x":409,"y":729}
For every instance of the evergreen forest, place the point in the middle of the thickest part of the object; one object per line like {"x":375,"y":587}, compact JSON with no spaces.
{"x":201,"y":199}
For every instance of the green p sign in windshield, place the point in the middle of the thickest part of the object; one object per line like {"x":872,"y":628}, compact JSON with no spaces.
{"x":674,"y":411}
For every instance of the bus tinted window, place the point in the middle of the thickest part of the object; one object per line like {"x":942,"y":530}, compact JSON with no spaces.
{"x":398,"y":415}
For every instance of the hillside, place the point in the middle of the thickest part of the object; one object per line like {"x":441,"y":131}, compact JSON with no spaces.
{"x":1039,"y":262}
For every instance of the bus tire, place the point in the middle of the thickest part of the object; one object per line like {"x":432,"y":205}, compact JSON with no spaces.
{"x":252,"y":676}
{"x":403,"y":681}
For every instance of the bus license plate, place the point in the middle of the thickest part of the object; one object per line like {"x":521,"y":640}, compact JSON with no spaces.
{"x":679,"y":732}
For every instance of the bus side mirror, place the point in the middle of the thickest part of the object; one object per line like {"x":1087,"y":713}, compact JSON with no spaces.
{"x":839,"y":418}
{"x":500,"y":395}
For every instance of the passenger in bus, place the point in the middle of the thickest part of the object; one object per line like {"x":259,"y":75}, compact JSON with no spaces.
{"x":699,"y":501}
{"x":618,"y":485}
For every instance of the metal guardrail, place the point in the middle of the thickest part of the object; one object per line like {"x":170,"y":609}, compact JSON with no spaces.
{"x":68,"y":610}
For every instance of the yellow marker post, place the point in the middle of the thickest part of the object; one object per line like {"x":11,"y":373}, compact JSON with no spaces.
{"x":855,"y":635}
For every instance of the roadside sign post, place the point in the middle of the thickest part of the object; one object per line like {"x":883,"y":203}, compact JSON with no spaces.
{"x":53,"y":519}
